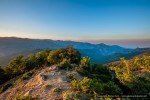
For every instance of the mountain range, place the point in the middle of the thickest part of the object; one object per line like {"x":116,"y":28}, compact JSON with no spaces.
{"x":99,"y":53}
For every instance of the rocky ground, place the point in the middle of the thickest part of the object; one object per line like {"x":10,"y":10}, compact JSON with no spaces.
{"x":48,"y":83}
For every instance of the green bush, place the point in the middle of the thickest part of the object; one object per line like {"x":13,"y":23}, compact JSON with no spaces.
{"x":101,"y":72}
{"x":84,"y":66}
{"x":111,"y":88}
{"x":64,"y":64}
{"x":15,"y":67}
{"x":69,"y":53}
{"x":85,"y":62}
{"x":94,"y":86}
{"x":73,"y":55}
{"x":94,"y":71}
{"x":133,"y":74}
{"x":20,"y":65}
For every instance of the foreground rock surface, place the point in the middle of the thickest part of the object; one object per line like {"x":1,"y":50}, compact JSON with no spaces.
{"x":48,"y":83}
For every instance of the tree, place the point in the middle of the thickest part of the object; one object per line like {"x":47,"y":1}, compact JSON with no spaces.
{"x":16,"y":66}
{"x":69,"y":53}
{"x":74,"y":55}
{"x":41,"y":57}
{"x":57,"y":56}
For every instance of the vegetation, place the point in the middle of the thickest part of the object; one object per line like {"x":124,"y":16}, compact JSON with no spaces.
{"x":84,"y":66}
{"x":133,"y":74}
{"x":28,"y":74}
{"x":70,"y":54}
{"x":95,"y":86}
{"x":71,"y":76}
{"x":123,"y":77}
{"x":19,"y":65}
{"x":98,"y":71}
{"x":98,"y":79}
{"x":65,"y":64}
{"x":3,"y":76}
{"x":5,"y":87}
{"x":74,"y":95}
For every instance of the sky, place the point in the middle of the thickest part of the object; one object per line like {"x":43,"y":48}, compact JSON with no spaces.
{"x":122,"y":22}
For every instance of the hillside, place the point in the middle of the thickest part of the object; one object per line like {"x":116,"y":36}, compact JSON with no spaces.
{"x":63,"y":74}
{"x":99,"y":53}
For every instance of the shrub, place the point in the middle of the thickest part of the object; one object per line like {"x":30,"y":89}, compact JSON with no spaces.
{"x":85,"y":62}
{"x":94,"y":71}
{"x":15,"y":67}
{"x":94,"y":86}
{"x":101,"y":72}
{"x":64,"y":64}
{"x":84,"y":66}
{"x":41,"y":57}
{"x":57,"y":56}
{"x":111,"y":88}
{"x":5,"y":87}
{"x":73,"y":55}
{"x":132,"y":74}
{"x":69,"y":53}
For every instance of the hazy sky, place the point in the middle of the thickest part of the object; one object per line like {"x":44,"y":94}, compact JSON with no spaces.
{"x":123,"y":22}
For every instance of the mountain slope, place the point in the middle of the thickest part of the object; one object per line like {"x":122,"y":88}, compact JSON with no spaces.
{"x":70,"y":76}
{"x":98,"y":53}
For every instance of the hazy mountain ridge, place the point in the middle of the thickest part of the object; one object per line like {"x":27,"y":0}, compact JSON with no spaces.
{"x":99,"y":53}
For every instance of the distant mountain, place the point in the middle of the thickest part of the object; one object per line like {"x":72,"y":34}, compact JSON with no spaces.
{"x":128,"y":55}
{"x":99,"y":53}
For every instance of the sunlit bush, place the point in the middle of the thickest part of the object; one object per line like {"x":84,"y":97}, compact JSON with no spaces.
{"x":69,"y":53}
{"x":64,"y":64}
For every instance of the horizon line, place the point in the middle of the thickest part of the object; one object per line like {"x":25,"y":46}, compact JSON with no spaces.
{"x":107,"y":41}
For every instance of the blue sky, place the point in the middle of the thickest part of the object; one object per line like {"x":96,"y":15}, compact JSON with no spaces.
{"x":123,"y":22}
